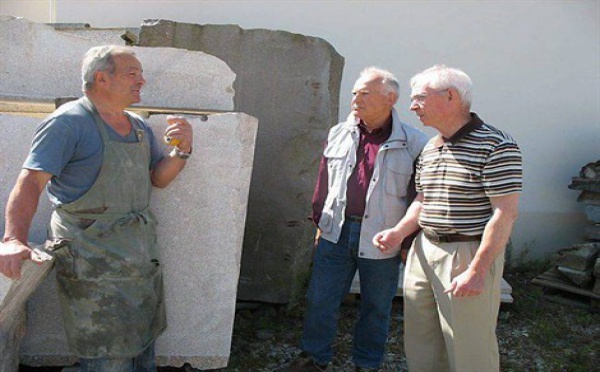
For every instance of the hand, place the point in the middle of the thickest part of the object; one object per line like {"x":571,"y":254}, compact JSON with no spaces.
{"x":12,"y":255}
{"x":403,"y":255}
{"x":388,"y":241}
{"x":180,"y":130}
{"x":317,"y":238}
{"x":468,"y":283}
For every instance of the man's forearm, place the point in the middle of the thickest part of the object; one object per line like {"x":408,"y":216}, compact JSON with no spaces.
{"x":166,"y":171}
{"x":410,"y":222}
{"x":496,"y":235}
{"x":22,"y":205}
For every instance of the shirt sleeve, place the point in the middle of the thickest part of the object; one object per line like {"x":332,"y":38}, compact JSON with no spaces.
{"x":503,"y":171}
{"x":53,"y":146}
{"x":320,"y":192}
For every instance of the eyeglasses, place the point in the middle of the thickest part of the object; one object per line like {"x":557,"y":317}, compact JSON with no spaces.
{"x":420,"y":98}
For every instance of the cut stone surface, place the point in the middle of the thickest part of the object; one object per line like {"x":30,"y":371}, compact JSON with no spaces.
{"x":291,"y":83}
{"x":592,"y":232}
{"x":201,"y":224}
{"x":582,"y":278}
{"x":588,"y":197}
{"x":174,"y":77}
{"x":202,"y":216}
{"x":586,"y":184}
{"x":579,"y":256}
{"x":592,"y":212}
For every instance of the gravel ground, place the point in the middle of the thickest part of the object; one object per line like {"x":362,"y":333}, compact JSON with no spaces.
{"x":534,"y":334}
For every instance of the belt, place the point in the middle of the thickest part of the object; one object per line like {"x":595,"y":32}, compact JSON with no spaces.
{"x":354,"y":218}
{"x":434,"y":237}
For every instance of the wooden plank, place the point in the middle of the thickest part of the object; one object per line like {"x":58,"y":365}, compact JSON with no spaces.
{"x":553,"y":279}
{"x":34,"y":106}
{"x":13,"y":305}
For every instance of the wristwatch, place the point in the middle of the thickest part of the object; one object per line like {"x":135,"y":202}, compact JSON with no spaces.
{"x":180,"y":154}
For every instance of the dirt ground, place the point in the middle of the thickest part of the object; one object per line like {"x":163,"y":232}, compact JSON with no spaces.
{"x":534,"y":334}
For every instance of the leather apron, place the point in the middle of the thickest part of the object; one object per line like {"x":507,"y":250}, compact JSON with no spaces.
{"x":109,"y":276}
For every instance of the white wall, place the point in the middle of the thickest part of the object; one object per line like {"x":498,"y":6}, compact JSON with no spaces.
{"x":535,"y":66}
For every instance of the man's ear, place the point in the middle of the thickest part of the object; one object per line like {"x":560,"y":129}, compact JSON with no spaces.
{"x":392,"y":98}
{"x":99,"y":77}
{"x":453,"y":94}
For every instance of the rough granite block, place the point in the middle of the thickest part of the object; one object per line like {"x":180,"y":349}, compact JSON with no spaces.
{"x":592,"y":232}
{"x":39,"y":61}
{"x":201,"y":225}
{"x":291,"y":83}
{"x":579,"y":256}
{"x":592,"y":212}
{"x":580,"y":277}
{"x":589,"y":197}
{"x":100,"y":36}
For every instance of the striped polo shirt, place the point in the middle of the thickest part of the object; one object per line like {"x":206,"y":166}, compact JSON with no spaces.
{"x":458,"y":177}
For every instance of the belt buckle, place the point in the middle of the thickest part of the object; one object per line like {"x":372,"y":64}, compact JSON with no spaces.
{"x":431,"y":235}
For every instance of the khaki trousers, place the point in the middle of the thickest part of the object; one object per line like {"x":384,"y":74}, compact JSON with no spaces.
{"x":443,"y":332}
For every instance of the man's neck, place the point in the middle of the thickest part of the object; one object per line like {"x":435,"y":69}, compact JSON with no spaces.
{"x":377,"y":124}
{"x":453,"y":124}
{"x":105,"y":107}
{"x":113,"y":114}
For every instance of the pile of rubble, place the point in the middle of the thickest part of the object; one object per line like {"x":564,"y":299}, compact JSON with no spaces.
{"x":577,"y":268}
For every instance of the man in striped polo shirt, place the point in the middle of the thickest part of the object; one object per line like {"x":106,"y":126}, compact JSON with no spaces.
{"x":468,"y":181}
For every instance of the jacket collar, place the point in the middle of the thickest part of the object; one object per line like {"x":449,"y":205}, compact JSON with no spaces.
{"x":398,"y":134}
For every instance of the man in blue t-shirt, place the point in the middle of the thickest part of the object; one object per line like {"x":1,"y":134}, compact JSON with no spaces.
{"x":99,"y":163}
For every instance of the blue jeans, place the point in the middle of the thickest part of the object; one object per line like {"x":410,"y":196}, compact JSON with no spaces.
{"x":145,"y":362}
{"x":334,"y":267}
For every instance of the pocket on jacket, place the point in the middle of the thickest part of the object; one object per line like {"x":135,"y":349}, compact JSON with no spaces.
{"x":398,"y":174}
{"x":326,"y":221}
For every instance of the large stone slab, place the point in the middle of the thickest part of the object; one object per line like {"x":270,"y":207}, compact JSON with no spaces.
{"x":291,"y":83}
{"x":202,"y":216}
{"x":38,"y":60}
{"x":100,"y":36}
{"x":201,"y":224}
{"x":12,"y":155}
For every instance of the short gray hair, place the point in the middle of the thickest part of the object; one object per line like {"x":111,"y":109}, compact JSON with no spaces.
{"x":444,"y":77}
{"x":100,"y":58}
{"x":387,"y":78}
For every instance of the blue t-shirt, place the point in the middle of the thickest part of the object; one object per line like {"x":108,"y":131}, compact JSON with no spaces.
{"x":68,"y":145}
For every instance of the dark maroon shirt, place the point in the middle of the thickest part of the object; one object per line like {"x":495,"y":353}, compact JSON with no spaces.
{"x":358,"y":183}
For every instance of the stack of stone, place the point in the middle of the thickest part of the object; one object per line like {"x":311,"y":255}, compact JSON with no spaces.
{"x":577,"y":269}
{"x":580,"y":263}
{"x":589,"y":182}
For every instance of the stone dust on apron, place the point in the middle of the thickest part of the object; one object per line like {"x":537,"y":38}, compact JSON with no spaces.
{"x":109,"y":276}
